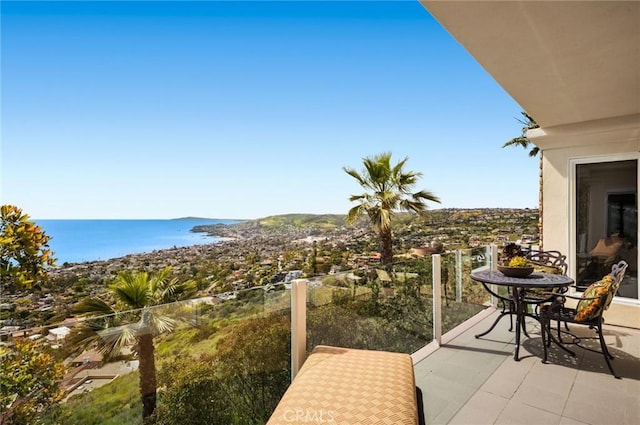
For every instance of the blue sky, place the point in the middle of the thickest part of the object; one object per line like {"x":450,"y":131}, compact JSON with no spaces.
{"x":243,"y":109}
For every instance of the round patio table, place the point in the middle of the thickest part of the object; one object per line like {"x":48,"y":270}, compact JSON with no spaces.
{"x":519,"y":286}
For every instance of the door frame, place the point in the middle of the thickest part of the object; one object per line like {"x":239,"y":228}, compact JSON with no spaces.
{"x":572,"y":213}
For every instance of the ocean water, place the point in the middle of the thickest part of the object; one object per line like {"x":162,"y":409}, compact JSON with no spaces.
{"x":75,"y":241}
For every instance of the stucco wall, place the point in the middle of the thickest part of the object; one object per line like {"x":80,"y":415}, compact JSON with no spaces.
{"x":556,"y":187}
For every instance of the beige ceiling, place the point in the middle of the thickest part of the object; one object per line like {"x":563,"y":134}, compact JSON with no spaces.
{"x":564,"y":62}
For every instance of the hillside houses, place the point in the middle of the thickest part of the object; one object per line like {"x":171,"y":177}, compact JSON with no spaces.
{"x":257,"y":255}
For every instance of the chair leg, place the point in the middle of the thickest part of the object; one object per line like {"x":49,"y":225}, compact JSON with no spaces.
{"x":543,"y":329}
{"x":605,"y":351}
{"x":566,"y":326}
{"x":512,"y":308}
{"x":504,"y":306}
{"x":559,"y":342}
{"x":608,"y":353}
{"x":524,"y":324}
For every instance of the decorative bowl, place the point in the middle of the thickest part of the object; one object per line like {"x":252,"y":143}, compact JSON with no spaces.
{"x":516,"y":271}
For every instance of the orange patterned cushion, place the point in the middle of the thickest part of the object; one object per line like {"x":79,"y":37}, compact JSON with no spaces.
{"x":588,"y":309}
{"x":345,"y":386}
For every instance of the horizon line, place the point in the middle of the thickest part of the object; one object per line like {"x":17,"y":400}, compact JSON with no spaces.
{"x":272,"y":215}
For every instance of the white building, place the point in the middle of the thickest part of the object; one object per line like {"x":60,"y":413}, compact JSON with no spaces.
{"x":56,"y":335}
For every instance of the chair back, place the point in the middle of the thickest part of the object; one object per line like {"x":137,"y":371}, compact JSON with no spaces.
{"x":549,"y":258}
{"x":617,"y":273}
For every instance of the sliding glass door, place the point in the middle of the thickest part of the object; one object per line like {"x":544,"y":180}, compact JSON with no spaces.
{"x":606,"y":222}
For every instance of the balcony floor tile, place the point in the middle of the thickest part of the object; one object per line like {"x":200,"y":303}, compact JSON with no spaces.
{"x":476,"y":381}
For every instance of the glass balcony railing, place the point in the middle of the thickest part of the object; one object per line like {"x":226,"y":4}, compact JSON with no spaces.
{"x":394,"y":310}
{"x":219,"y":359}
{"x":229,"y":358}
{"x":372,"y":308}
{"x":462,"y":297}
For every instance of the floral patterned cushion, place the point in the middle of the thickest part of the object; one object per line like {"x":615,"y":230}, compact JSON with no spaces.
{"x":587,"y":309}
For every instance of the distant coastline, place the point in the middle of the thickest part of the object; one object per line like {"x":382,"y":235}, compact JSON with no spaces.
{"x":88,"y":240}
{"x":209,"y":219}
{"x":76,"y":241}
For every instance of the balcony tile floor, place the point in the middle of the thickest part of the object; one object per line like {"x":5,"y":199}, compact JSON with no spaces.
{"x":476,"y":381}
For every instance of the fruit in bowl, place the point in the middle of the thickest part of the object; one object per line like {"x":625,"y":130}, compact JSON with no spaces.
{"x":517,"y":261}
{"x":516,"y":267}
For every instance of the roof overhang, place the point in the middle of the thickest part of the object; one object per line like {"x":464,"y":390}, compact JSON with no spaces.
{"x":571,"y":64}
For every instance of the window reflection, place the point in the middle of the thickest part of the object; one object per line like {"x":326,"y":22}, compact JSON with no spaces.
{"x":607,"y":222}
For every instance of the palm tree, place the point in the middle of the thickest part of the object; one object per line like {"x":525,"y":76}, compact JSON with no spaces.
{"x":135,"y":318}
{"x":524,"y":142}
{"x":388,"y":189}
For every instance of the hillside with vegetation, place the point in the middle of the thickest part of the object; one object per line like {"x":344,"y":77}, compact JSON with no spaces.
{"x":452,"y":226}
{"x":321,"y":221}
{"x":234,"y":343}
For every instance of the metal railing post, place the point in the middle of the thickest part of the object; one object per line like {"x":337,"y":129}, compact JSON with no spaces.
{"x":458,"y":275}
{"x":493,"y":249}
{"x":298,"y":325}
{"x":437,"y":298}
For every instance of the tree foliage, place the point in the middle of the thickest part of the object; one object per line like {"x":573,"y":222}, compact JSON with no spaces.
{"x":28,"y":376}
{"x":134,"y":320}
{"x":194,"y":392}
{"x":255,"y":358}
{"x":240,"y":384}
{"x":29,"y":382}
{"x":24,"y":249}
{"x":522,"y":140}
{"x":388,"y":189}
